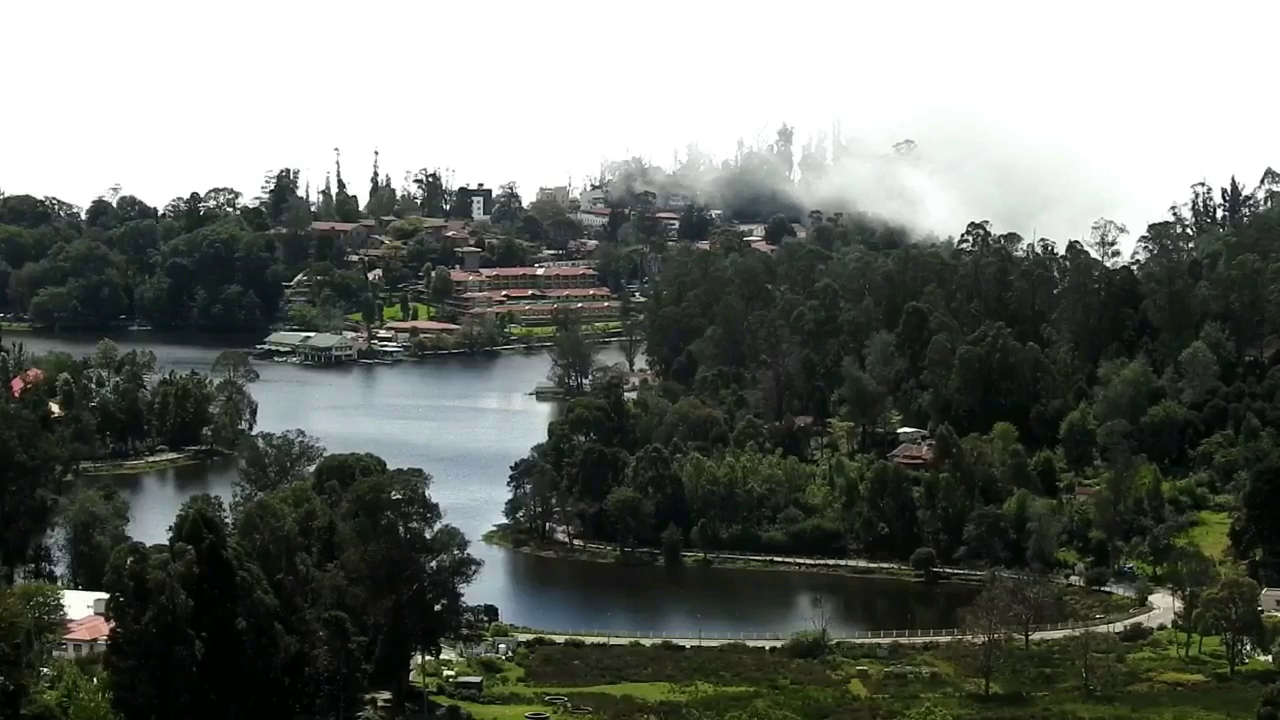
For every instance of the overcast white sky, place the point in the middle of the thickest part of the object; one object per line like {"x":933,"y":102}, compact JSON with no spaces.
{"x":1044,"y":115}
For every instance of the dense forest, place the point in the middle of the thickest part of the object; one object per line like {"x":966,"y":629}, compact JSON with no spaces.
{"x":1086,"y":409}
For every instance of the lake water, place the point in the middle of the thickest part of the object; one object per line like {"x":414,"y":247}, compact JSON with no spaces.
{"x":465,"y":420}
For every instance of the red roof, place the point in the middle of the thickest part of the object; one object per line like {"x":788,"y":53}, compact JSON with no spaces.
{"x":912,"y":454}
{"x":667,"y":216}
{"x":24,"y":380}
{"x":87,"y":629}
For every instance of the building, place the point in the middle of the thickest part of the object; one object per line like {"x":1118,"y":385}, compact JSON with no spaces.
{"x":469,"y":258}
{"x":912,"y":454}
{"x":540,"y":278}
{"x":1269,"y":600}
{"x":87,"y":627}
{"x":912,"y":435}
{"x":670,"y":222}
{"x":351,"y":235}
{"x":593,"y":198}
{"x":480,"y":198}
{"x":473,"y":683}
{"x":528,"y":296}
{"x":543,"y":313}
{"x":558,"y":194}
{"x":594,"y":217}
{"x":326,"y":349}
{"x":404,"y":330}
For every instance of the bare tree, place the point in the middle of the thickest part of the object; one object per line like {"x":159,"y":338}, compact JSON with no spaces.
{"x":1031,"y":600}
{"x":1095,"y":653}
{"x":988,"y":621}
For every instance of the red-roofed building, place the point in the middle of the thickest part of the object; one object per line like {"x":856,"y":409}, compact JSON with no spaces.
{"x":912,"y":454}
{"x":670,"y":221}
{"x":87,"y":628}
{"x":25,"y":380}
{"x":85,"y":636}
{"x":517,"y":278}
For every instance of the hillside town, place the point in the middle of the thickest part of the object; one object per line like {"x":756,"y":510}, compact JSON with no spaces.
{"x":468,"y":269}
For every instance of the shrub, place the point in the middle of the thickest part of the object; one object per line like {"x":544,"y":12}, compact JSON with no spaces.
{"x":808,"y":644}
{"x":1097,"y":577}
{"x":490,"y":664}
{"x":499,"y":629}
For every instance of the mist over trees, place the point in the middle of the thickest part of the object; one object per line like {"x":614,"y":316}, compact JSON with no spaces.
{"x":1084,"y":408}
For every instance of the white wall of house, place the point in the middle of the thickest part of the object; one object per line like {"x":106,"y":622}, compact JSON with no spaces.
{"x":477,"y":208}
{"x":593,"y":220}
{"x":1269,"y":600}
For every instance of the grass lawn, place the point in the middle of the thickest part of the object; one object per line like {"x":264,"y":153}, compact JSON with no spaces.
{"x":1210,"y":533}
{"x":6,"y":325}
{"x":391,"y":313}
{"x":1147,"y":680}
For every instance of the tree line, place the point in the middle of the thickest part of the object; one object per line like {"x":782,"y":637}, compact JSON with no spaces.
{"x":1083,"y":407}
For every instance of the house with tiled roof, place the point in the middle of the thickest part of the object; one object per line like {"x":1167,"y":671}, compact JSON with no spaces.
{"x":87,"y":627}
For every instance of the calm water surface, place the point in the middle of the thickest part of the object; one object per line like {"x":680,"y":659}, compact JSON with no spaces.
{"x":465,"y":420}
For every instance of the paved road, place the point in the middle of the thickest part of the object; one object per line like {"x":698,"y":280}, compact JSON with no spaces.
{"x":1161,"y":613}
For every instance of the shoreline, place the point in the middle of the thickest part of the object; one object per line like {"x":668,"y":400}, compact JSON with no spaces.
{"x":154,"y":461}
{"x":598,"y":553}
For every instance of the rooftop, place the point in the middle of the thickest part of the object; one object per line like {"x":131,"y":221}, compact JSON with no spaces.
{"x":423,"y":325}
{"x":324,"y":340}
{"x":87,"y":629}
{"x":287,"y":338}
{"x":333,"y":227}
{"x":912,"y":454}
{"x":24,"y":380}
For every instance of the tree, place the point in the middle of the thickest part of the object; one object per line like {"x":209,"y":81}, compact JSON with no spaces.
{"x":1104,"y":240}
{"x":1231,"y":610}
{"x":573,"y":356}
{"x":1269,"y":705}
{"x":630,"y":514}
{"x":270,"y":460}
{"x":778,"y":228}
{"x":94,"y":522}
{"x":1031,"y":601}
{"x":1095,"y":653}
{"x":441,"y":285}
{"x":923,"y":561}
{"x":507,"y":206}
{"x":988,"y":621}
{"x":31,"y":623}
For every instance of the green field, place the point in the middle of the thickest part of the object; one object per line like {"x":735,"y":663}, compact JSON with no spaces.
{"x":391,"y":313}
{"x":1145,"y":680}
{"x":1210,"y":533}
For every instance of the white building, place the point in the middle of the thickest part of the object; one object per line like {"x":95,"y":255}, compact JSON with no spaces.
{"x":594,"y":198}
{"x":1269,"y":600}
{"x":912,"y":435}
{"x":87,"y":628}
{"x":593,"y":217}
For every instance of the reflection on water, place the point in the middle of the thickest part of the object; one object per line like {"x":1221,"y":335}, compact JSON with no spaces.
{"x":465,"y":420}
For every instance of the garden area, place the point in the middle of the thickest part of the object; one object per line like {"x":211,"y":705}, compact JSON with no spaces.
{"x":1131,"y":675}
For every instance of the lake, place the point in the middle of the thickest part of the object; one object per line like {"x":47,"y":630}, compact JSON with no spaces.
{"x":465,"y":420}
